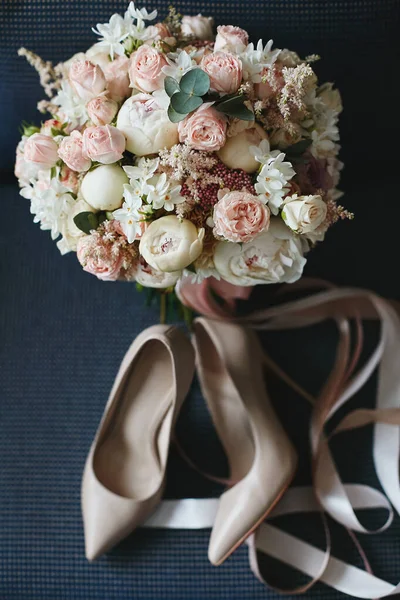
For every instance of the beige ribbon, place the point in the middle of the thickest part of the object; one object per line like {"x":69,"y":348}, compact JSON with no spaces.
{"x":329,"y":495}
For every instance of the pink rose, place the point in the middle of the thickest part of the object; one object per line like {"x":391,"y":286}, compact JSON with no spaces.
{"x":42,"y":150}
{"x":104,"y":144}
{"x":109,"y":258}
{"x":204,"y":130}
{"x":86,"y":79}
{"x":49,"y":125}
{"x":239,"y":217}
{"x":224,"y":71}
{"x":116,"y":74}
{"x":265,"y":90}
{"x":145,"y":69}
{"x":156,"y":32}
{"x":69,"y":178}
{"x":200,"y":27}
{"x":102,"y":110}
{"x":71,"y":152}
{"x":231,"y":39}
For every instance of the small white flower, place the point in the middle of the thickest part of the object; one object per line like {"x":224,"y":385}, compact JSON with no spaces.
{"x":162,"y":98}
{"x":272,"y":181}
{"x":255,"y":59}
{"x":72,"y":107}
{"x":129,"y":214}
{"x":261,"y":153}
{"x":146,"y":167}
{"x":162,"y":195}
{"x":112,"y":35}
{"x":51,"y":202}
{"x":178,"y":64}
{"x":140,"y":14}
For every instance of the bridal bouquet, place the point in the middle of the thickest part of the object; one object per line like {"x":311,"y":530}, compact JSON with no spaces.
{"x":172,"y":152}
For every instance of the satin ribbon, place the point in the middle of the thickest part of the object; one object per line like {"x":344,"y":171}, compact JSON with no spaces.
{"x":328,"y":495}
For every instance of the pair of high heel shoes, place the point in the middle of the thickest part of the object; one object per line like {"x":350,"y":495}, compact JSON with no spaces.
{"x":124,"y":475}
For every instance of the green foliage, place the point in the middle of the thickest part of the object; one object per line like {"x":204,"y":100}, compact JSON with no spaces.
{"x":87,"y":221}
{"x":28,"y":129}
{"x":174,"y":116}
{"x":195,"y":83}
{"x":187,"y":94}
{"x":184,"y":103}
{"x":235,"y":107}
{"x":171,"y":86}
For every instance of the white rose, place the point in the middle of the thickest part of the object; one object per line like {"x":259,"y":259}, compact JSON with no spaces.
{"x":330,"y":97}
{"x":235,"y":154}
{"x":70,"y":232}
{"x":146,"y":125}
{"x":149,"y":277}
{"x":170,"y":244}
{"x":272,"y":257}
{"x":199,"y":26}
{"x":103,"y":187}
{"x":304,"y":214}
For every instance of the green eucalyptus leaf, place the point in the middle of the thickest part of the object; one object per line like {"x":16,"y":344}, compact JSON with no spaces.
{"x":171,"y":86}
{"x":184,"y":103}
{"x":195,"y":83}
{"x":86,"y":221}
{"x":174,"y":116}
{"x":235,"y":107}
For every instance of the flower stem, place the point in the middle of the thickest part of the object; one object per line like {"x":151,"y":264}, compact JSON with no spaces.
{"x":163,"y":308}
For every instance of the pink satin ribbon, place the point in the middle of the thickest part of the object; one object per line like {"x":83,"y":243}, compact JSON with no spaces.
{"x":329,"y":495}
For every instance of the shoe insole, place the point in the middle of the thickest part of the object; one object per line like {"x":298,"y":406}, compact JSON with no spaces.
{"x":131,"y":456}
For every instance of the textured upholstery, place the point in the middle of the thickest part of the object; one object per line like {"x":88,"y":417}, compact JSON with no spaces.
{"x":63,"y":333}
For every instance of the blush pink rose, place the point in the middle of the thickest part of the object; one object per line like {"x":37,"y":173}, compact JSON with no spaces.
{"x":239,"y":217}
{"x":102,"y":110}
{"x":99,"y":258}
{"x":42,"y":150}
{"x":145,"y":70}
{"x":87,"y":79}
{"x":69,"y":178}
{"x":231,"y":39}
{"x":224,"y":70}
{"x":204,"y":130}
{"x":104,"y":144}
{"x":265,"y":90}
{"x":49,"y":125}
{"x":71,"y":152}
{"x":117,"y":77}
{"x":198,"y":26}
{"x":109,"y":257}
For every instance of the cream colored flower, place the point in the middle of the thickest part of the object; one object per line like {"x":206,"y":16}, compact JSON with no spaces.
{"x":304,"y":214}
{"x":170,"y":244}
{"x":274,"y":256}
{"x":103,"y":188}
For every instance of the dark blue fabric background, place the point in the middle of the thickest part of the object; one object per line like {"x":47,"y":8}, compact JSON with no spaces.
{"x":63,"y":333}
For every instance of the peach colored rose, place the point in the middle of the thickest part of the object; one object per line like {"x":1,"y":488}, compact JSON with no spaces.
{"x":99,"y":258}
{"x":145,"y":69}
{"x":71,"y":152}
{"x":239,"y":217}
{"x":49,"y":125}
{"x":104,"y":144}
{"x":224,"y":70}
{"x":156,"y":32}
{"x":69,"y":178}
{"x":116,"y":74}
{"x":102,"y":110}
{"x":265,"y":90}
{"x":200,"y":27}
{"x":204,"y":130}
{"x":231,"y":39}
{"x":87,"y":79}
{"x":42,"y":150}
{"x":24,"y":170}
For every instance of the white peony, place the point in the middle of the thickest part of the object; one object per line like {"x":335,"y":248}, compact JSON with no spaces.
{"x":146,"y":125}
{"x":147,"y":276}
{"x":103,"y":187}
{"x":236,"y":152}
{"x":69,"y":231}
{"x":330,"y":97}
{"x":272,"y":257}
{"x":170,"y":244}
{"x":304,"y":214}
{"x":198,"y":26}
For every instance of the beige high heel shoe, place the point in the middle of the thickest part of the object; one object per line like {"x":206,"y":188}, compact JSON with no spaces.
{"x":123,"y":480}
{"x":261,"y":457}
